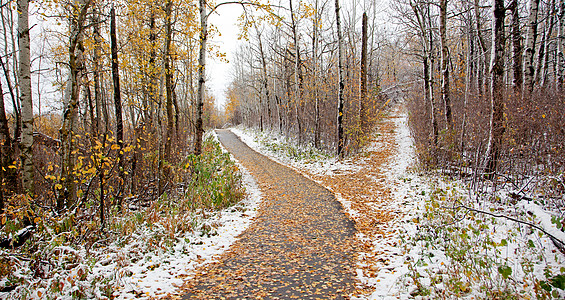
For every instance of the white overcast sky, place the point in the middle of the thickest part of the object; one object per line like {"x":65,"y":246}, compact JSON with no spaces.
{"x":218,"y":72}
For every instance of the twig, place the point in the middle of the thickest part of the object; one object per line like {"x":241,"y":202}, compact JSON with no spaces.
{"x":555,"y":239}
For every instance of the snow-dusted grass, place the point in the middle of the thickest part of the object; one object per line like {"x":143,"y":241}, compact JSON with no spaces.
{"x":152,"y":261}
{"x":287,"y":152}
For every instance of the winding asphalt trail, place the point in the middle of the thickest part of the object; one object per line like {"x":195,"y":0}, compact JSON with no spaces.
{"x":299,"y":246}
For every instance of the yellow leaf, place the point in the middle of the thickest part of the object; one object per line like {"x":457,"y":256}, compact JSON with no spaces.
{"x":11,"y":166}
{"x":58,"y":186}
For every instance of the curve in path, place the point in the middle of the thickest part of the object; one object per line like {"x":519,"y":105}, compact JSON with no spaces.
{"x":299,"y":246}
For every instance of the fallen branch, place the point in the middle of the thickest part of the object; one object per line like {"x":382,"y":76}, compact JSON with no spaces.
{"x":19,"y":239}
{"x":553,"y":238}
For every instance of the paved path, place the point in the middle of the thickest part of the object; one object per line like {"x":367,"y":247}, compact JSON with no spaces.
{"x":299,"y":246}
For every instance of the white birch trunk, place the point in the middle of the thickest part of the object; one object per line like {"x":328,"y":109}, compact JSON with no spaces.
{"x":25,"y":97}
{"x":529,"y":50}
{"x":560,"y":45}
{"x":201,"y":77}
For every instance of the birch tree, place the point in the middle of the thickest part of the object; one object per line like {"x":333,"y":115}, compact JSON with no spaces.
{"x":560,"y":45}
{"x":516,"y":47}
{"x":201,"y":76}
{"x":529,"y":50}
{"x":444,"y":62}
{"x":496,"y":129}
{"x":67,"y":185}
{"x":26,"y":143}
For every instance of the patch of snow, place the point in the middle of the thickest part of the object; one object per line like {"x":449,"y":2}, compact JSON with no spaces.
{"x":128,"y":272}
{"x":192,"y":250}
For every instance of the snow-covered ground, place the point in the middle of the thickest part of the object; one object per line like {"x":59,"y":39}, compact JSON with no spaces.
{"x":434,"y":249}
{"x":408,"y":199}
{"x":142,"y":271}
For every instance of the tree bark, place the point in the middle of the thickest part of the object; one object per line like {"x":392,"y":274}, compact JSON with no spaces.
{"x":516,"y":48}
{"x":168,"y":82}
{"x":5,"y":148}
{"x":544,"y":65}
{"x":26,"y":143}
{"x":66,"y":131}
{"x":340,"y":137}
{"x":561,"y":46}
{"x":297,"y":75}
{"x":482,"y":65}
{"x":497,"y":126}
{"x":444,"y":62}
{"x":97,"y":72}
{"x":201,"y":77}
{"x":529,"y":52}
{"x":363,"y":99}
{"x":265,"y":77}
{"x":315,"y":27}
{"x":118,"y":109}
{"x":422,"y":18}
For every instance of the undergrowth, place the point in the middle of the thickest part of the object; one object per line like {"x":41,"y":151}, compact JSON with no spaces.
{"x":460,"y":253}
{"x":289,"y":148}
{"x":59,"y":258}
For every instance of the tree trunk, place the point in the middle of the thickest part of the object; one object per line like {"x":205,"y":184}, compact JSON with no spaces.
{"x":152,"y":71}
{"x":544,"y":66}
{"x":118,"y":109}
{"x":66,"y":132}
{"x":26,"y":143}
{"x":297,"y":76}
{"x":315,"y":26}
{"x":5,"y":148}
{"x":265,"y":77}
{"x":340,"y":137}
{"x":97,"y":71}
{"x":201,"y":77}
{"x":444,"y":62}
{"x":168,"y":84}
{"x":561,"y":46}
{"x":497,"y":89}
{"x":421,"y":13}
{"x":529,"y":52}
{"x":516,"y":48}
{"x":482,"y":65}
{"x":363,"y":99}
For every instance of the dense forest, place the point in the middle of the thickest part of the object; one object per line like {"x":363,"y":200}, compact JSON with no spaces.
{"x":104,"y":104}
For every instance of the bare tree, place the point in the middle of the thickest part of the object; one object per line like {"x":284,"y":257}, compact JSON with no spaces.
{"x":363,"y":90}
{"x":516,"y":48}
{"x":5,"y":147}
{"x":118,"y":108}
{"x":67,"y":182}
{"x":496,"y":129}
{"x":529,"y":51}
{"x":26,"y":143}
{"x":298,"y":78}
{"x":201,"y":76}
{"x":340,"y":137}
{"x":560,"y":45}
{"x":444,"y":62}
